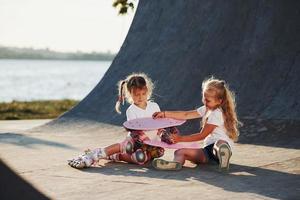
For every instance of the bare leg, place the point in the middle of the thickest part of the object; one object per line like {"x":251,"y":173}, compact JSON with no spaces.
{"x":180,"y":156}
{"x":194,"y":155}
{"x":126,"y":157}
{"x":112,"y":149}
{"x":131,"y":158}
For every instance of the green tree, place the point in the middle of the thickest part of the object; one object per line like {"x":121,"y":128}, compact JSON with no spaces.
{"x":123,"y":6}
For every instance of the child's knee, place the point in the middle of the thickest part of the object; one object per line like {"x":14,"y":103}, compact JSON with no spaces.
{"x":179,"y":152}
{"x":127,"y":146}
{"x":140,"y":157}
{"x":218,"y":144}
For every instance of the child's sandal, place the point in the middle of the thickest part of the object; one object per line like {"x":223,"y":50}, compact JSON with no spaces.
{"x":161,"y":164}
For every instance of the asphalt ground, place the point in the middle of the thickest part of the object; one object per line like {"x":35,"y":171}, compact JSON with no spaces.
{"x":40,"y":158}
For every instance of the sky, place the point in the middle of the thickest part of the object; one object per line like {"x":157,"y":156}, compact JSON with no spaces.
{"x":63,"y":25}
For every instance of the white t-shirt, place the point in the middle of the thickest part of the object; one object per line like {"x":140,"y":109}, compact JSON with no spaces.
{"x":215,"y":117}
{"x":134,"y":112}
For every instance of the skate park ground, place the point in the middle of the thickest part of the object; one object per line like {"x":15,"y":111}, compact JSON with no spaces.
{"x":253,"y":45}
{"x":256,"y":171}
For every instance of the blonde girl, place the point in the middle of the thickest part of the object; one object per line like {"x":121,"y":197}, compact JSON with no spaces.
{"x":136,"y":89}
{"x":219,"y":128}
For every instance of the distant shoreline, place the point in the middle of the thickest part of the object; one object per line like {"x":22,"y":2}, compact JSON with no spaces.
{"x":47,"y":54}
{"x":54,"y":59}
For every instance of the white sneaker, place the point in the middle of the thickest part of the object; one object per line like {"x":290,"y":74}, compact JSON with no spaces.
{"x":224,"y":153}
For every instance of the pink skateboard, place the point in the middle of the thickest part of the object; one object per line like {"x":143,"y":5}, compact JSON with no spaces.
{"x":145,"y":124}
{"x":188,"y":145}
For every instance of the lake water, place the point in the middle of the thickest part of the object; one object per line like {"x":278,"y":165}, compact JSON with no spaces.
{"x":26,"y":80}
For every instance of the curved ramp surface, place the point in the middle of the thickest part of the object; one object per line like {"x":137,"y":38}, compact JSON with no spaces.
{"x":254,"y":45}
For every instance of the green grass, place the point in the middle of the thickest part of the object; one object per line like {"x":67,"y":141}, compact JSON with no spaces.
{"x":35,"y":109}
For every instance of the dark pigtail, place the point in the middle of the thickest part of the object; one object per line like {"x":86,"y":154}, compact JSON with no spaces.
{"x":121,"y":97}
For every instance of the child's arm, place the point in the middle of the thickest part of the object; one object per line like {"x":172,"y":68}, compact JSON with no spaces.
{"x":192,"y":114}
{"x":207,"y":129}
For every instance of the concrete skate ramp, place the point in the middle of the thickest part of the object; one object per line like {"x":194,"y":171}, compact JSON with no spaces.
{"x":254,"y":45}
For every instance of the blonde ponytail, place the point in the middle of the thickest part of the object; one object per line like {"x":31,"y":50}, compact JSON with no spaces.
{"x":231,"y":122}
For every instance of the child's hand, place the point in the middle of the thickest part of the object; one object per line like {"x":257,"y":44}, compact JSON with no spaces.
{"x":172,"y":139}
{"x":159,"y":132}
{"x":158,"y":115}
{"x":175,"y":138}
{"x":167,"y":133}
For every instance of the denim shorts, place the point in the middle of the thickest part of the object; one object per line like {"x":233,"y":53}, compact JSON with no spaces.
{"x":208,"y":151}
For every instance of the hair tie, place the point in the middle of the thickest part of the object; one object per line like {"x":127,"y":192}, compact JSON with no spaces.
{"x":123,"y":82}
{"x":120,"y":99}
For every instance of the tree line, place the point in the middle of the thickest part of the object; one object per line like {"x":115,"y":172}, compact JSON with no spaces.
{"x":47,"y":54}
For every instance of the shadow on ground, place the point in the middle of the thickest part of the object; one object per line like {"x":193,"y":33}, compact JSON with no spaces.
{"x":29,"y":142}
{"x":241,"y":178}
{"x":13,"y":186}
